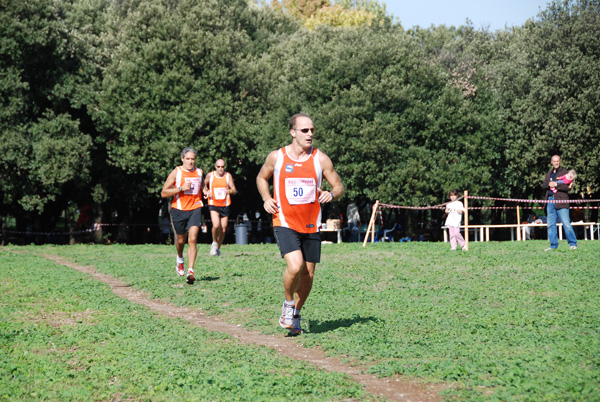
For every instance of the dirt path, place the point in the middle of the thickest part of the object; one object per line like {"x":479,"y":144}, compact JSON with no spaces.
{"x":394,"y":388}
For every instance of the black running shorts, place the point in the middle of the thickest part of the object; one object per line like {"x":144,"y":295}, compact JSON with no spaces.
{"x":223,"y":211}
{"x":184,"y":220}
{"x":289,"y":240}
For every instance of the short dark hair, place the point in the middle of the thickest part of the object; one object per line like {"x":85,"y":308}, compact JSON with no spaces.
{"x":454,"y":192}
{"x":295,"y":117}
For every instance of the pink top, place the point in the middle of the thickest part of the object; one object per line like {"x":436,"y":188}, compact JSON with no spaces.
{"x":564,"y":179}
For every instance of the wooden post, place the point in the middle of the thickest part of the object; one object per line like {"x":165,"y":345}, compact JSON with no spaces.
{"x":519,"y":223}
{"x":374,"y":224}
{"x":373,"y":219}
{"x":466,"y":220}
{"x":371,"y":224}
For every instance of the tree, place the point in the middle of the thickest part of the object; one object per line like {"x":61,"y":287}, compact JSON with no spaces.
{"x":45,"y":156}
{"x":548,"y":84}
{"x":342,"y":13}
{"x":394,"y":127}
{"x":174,"y":82}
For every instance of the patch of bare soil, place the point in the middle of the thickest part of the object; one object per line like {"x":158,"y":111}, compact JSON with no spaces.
{"x":394,"y":388}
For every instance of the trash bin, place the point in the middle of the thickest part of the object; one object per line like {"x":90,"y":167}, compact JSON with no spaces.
{"x":241,"y":232}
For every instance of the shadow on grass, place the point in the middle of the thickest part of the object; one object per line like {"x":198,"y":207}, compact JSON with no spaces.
{"x":317,"y":327}
{"x":209,"y":278}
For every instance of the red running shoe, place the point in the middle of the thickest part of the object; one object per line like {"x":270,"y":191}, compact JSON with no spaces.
{"x":190,"y":277}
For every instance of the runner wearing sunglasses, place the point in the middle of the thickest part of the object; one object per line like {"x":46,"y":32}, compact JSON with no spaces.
{"x":218,"y":189}
{"x":298,"y":170}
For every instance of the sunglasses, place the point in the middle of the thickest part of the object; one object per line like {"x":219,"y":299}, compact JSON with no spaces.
{"x":306,"y":130}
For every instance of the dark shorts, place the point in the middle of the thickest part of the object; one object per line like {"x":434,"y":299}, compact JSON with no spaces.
{"x":289,"y":240}
{"x":223,"y":211}
{"x":184,"y":220}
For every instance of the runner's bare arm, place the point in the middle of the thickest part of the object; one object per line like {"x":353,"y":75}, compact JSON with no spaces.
{"x":262,"y":182}
{"x":232,"y":189}
{"x":168,"y":190}
{"x":206,"y":189}
{"x":201,"y":182}
{"x":329,"y":173}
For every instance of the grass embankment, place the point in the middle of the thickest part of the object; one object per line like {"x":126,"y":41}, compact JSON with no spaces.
{"x":504,"y":321}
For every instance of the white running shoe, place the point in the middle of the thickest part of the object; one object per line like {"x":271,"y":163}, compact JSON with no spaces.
{"x":296,"y":326}
{"x":180,"y":269}
{"x":287,"y":317}
{"x":213,"y":248}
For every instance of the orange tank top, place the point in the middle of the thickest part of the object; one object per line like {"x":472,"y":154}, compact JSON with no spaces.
{"x":219,"y":190}
{"x":295,"y":186}
{"x":190,"y":199}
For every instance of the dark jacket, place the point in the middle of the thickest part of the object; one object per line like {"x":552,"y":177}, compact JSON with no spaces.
{"x":562,"y":189}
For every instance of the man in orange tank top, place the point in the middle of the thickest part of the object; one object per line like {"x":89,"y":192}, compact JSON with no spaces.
{"x":298,"y":170}
{"x":185,"y":185}
{"x":218,"y":189}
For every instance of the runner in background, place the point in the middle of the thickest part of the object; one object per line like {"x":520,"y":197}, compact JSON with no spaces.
{"x":218,"y":189}
{"x":185,"y":185}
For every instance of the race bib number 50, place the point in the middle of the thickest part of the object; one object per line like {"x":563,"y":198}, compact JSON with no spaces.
{"x":300,"y":191}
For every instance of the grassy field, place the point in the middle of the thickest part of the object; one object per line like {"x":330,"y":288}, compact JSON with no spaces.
{"x":504,"y":321}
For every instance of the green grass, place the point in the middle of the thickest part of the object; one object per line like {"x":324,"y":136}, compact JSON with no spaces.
{"x":504,"y":321}
{"x":64,"y":337}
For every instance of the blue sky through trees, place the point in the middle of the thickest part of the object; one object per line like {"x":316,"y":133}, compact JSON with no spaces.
{"x":483,"y":13}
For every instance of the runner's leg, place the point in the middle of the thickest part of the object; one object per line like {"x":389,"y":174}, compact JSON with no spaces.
{"x":216,"y":226}
{"x":180,"y":244}
{"x":192,"y":246}
{"x":305,"y":284}
{"x":291,"y":276}
{"x":224,"y":220}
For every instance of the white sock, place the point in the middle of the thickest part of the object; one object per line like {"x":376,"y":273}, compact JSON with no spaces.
{"x":179,"y":260}
{"x":288,"y":303}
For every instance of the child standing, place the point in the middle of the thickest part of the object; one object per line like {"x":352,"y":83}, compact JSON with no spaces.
{"x":455,"y":209}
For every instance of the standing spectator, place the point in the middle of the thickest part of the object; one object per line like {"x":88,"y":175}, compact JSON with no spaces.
{"x":298,"y":170}
{"x":558,"y":210}
{"x":353,"y":219}
{"x":218,"y":188}
{"x":185,"y":185}
{"x":528,"y":230}
{"x":165,"y":230}
{"x":455,"y":209}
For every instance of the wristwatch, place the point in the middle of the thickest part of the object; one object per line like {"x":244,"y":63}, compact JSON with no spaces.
{"x":180,"y":189}
{"x":332,"y":196}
